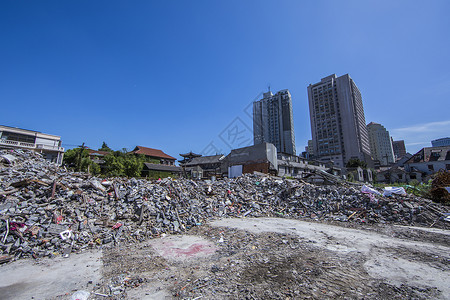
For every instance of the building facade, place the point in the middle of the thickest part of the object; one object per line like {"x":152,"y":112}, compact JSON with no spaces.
{"x":297,"y":167}
{"x":338,"y":124}
{"x":399,"y":149}
{"x":441,"y":142}
{"x":380,"y":144}
{"x":260,"y":158}
{"x":204,"y":166}
{"x":47,"y":144}
{"x":429,"y":160}
{"x":273,"y":121}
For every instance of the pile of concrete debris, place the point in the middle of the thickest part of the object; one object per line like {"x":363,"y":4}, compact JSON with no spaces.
{"x":46,"y":210}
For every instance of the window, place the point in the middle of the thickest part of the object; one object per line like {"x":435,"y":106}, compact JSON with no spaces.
{"x":430,"y":167}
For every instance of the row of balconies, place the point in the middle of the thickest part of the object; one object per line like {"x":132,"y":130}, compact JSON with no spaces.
{"x":30,"y":145}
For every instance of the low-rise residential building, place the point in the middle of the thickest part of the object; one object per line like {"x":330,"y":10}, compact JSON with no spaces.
{"x":204,"y":166}
{"x":392,"y":175}
{"x":397,"y":173}
{"x":429,"y":160}
{"x":97,"y":155}
{"x":260,"y":158}
{"x":359,"y":174}
{"x":47,"y":144}
{"x":156,"y":154}
{"x":297,"y":167}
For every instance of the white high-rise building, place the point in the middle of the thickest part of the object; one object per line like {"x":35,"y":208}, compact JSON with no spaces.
{"x":273,"y":121}
{"x":338,"y":125}
{"x":380,"y":143}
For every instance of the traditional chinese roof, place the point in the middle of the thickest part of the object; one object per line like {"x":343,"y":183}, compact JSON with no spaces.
{"x":151,"y":152}
{"x":205,"y":160}
{"x":190,"y":155}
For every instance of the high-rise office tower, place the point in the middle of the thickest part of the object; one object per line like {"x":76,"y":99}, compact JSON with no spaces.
{"x":273,"y":121}
{"x":441,"y":142}
{"x":338,"y":125}
{"x":399,"y":148}
{"x":380,"y":143}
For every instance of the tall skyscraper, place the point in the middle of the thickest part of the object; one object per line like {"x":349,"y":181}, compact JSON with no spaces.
{"x":338,"y":125}
{"x":380,"y":143}
{"x":399,"y":148}
{"x":273,"y":121}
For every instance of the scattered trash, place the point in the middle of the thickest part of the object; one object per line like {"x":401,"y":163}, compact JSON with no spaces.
{"x":80,"y":295}
{"x":65,"y":235}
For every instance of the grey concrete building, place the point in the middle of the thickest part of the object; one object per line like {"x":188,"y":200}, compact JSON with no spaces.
{"x":380,"y":144}
{"x":273,"y":121}
{"x":260,"y":158}
{"x":338,"y":125}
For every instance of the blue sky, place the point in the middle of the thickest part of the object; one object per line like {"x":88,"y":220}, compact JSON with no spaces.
{"x":180,"y":75}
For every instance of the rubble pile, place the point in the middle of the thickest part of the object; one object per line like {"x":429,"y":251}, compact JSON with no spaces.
{"x":46,"y":210}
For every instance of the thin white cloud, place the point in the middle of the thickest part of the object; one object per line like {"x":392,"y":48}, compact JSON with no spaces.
{"x":415,"y":144}
{"x":420,"y":135}
{"x":430,"y":128}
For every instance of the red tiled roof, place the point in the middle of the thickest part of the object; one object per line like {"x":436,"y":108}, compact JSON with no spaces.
{"x":98,"y":152}
{"x":151,"y":152}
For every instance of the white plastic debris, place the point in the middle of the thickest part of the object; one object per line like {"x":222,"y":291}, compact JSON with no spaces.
{"x":80,"y":295}
{"x":389,"y":190}
{"x":369,"y":190}
{"x":98,"y":185}
{"x":67,"y":234}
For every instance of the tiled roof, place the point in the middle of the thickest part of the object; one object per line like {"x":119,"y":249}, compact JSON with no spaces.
{"x":190,"y":154}
{"x":158,"y":167}
{"x":102,"y":153}
{"x":151,"y":152}
{"x":205,"y":160}
{"x":428,"y":154}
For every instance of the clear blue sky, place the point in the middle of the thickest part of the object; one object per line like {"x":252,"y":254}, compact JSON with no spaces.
{"x":179,"y":75}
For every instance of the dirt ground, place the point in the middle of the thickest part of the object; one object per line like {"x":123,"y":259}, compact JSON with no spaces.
{"x":287,"y":259}
{"x":265,"y":258}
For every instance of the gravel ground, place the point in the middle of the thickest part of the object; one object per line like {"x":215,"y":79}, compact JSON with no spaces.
{"x":249,"y":258}
{"x":285,"y":259}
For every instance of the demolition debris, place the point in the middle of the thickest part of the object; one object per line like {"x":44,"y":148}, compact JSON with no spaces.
{"x":46,"y":210}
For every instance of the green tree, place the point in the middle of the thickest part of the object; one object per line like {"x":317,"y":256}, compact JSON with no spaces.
{"x":95,"y":169}
{"x":133,"y":165}
{"x":105,"y":148}
{"x":113,"y":165}
{"x":77,"y":158}
{"x":355,"y":162}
